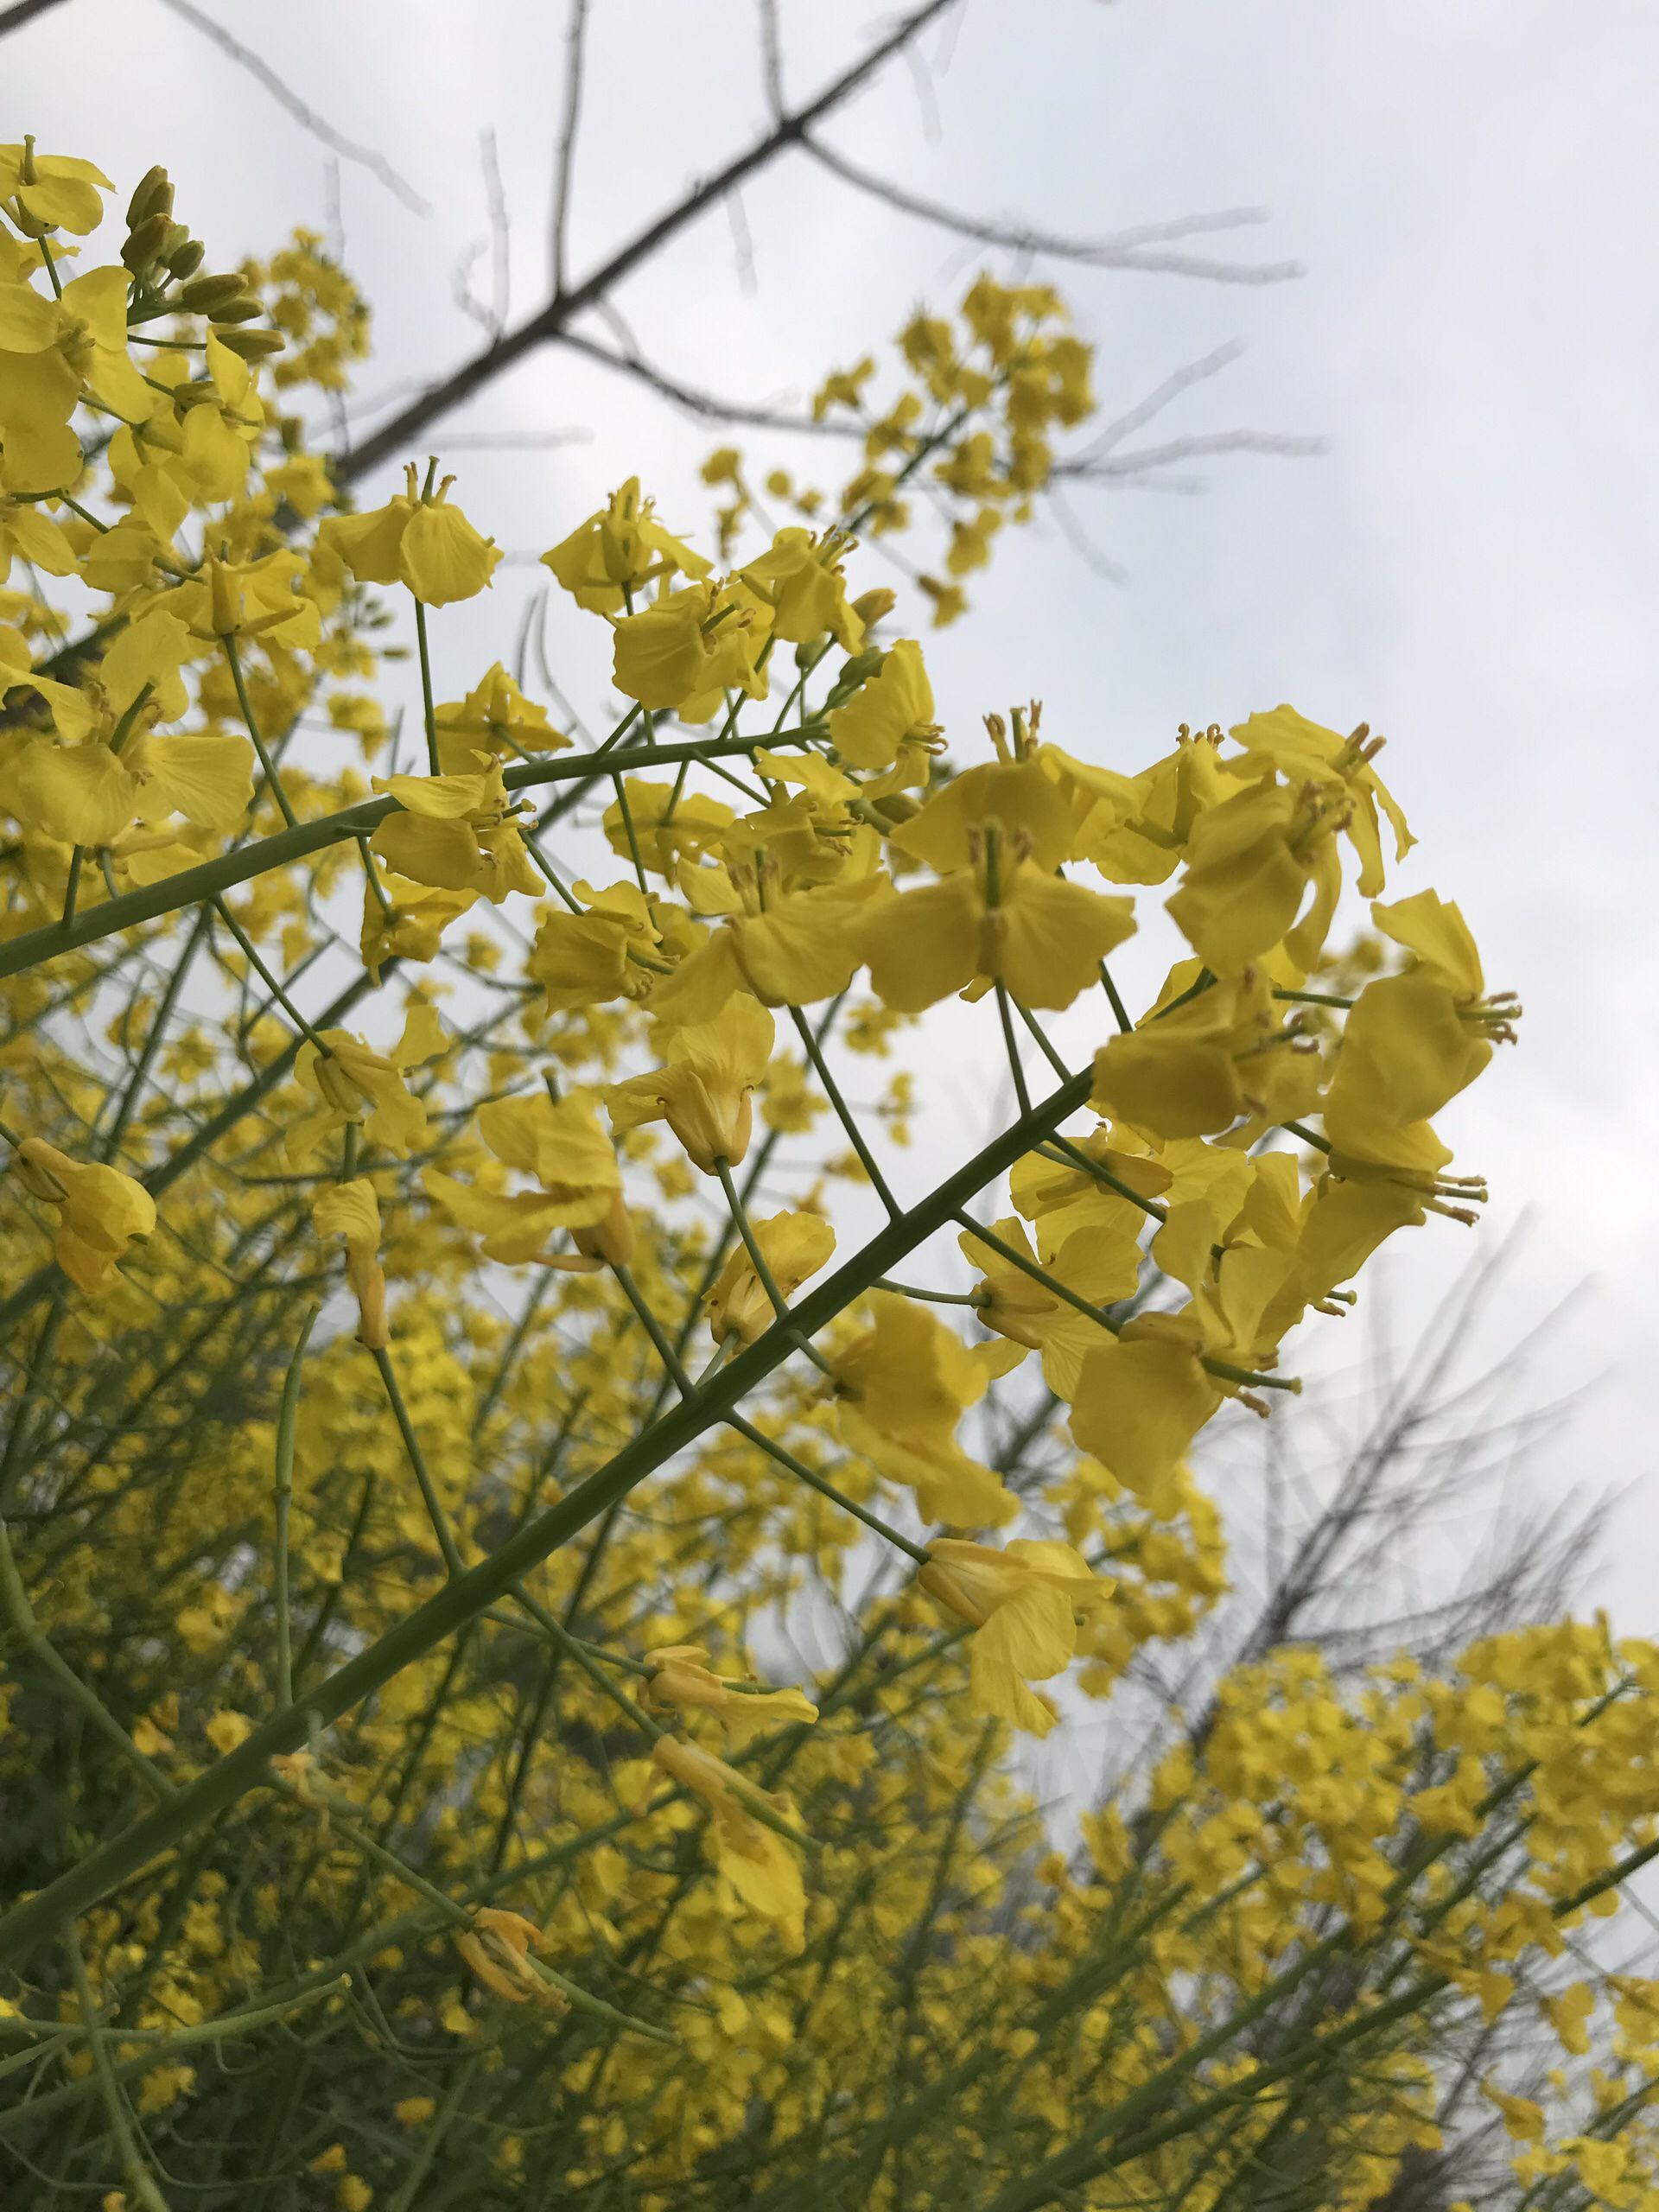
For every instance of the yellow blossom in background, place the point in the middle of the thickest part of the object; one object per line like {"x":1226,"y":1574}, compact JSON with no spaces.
{"x":341,"y":1697}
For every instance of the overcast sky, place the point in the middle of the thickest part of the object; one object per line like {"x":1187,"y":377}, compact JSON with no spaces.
{"x":1472,"y":567}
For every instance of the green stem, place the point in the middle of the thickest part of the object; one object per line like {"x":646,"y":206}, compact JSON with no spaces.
{"x":653,"y":1329}
{"x":140,"y":2180}
{"x":435,"y":1512}
{"x":72,"y":889}
{"x":286,"y":1422}
{"x":855,"y":1136}
{"x":260,"y":857}
{"x":428,"y":710}
{"x":266,"y":764}
{"x":324,"y":1051}
{"x":802,"y":1472}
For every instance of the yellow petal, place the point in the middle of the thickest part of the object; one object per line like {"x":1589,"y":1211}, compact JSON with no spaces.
{"x":205,"y":776}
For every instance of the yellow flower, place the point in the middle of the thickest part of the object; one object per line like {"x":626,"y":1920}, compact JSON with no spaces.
{"x":902,"y":1387}
{"x":351,"y":1210}
{"x":619,"y":551}
{"x":51,"y":353}
{"x":1339,"y":768}
{"x":415,"y":540}
{"x":1023,"y":1603}
{"x":414,"y":927}
{"x":99,"y":1211}
{"x":687,"y":648}
{"x":751,"y":1853}
{"x":1411,"y":1043}
{"x":1003,"y":914}
{"x":587,"y":959}
{"x":358,"y":1084}
{"x":456,"y":833}
{"x":793,"y":1246}
{"x":252,"y":599}
{"x":495,"y":717}
{"x":703,"y":1089}
{"x":1249,"y":864}
{"x":1142,"y":1397}
{"x":801,"y":579}
{"x":800,"y":947}
{"x":498,"y":1949}
{"x":1192,"y":1070}
{"x":1523,"y":2120}
{"x":52,"y":191}
{"x":1101,"y":1264}
{"x":28,"y":533}
{"x":895,"y":708}
{"x":680,"y":1678}
{"x":561,"y":1145}
{"x":79,"y":791}
{"x":668,"y":827}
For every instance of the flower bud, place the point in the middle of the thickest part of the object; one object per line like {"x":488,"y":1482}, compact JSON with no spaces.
{"x":235,"y":306}
{"x":872,"y":606}
{"x":153,"y":196}
{"x":145,"y":243}
{"x":253,"y":345}
{"x":204,"y":294}
{"x":184,"y":258}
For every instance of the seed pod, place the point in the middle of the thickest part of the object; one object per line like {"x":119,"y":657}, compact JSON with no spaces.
{"x":154,"y":196}
{"x":147,"y":241}
{"x":238,"y":308}
{"x":253,"y":345}
{"x":208,"y":295}
{"x":185,"y":258}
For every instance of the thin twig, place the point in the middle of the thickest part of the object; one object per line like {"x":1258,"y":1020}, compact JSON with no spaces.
{"x":575,"y":40}
{"x":306,"y":117}
{"x":563,"y":309}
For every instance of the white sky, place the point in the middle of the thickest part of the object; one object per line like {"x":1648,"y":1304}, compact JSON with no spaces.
{"x":1472,"y":567}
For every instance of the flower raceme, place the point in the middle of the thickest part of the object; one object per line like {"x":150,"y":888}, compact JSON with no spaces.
{"x":722,"y":905}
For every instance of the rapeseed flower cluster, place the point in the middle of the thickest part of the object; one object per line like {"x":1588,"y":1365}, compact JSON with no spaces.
{"x":449,"y":1373}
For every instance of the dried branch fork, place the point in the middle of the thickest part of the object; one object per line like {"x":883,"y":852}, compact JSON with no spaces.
{"x":553,"y":321}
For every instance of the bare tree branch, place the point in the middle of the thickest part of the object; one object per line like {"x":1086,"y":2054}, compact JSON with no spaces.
{"x":556,"y":317}
{"x":1113,"y":467}
{"x":742,"y":244}
{"x":708,"y":406}
{"x":1123,"y":249}
{"x":13,"y":19}
{"x":771,"y":60}
{"x":1183,"y":379}
{"x":308,"y":118}
{"x":497,"y":245}
{"x":495,"y":198}
{"x":575,"y":53}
